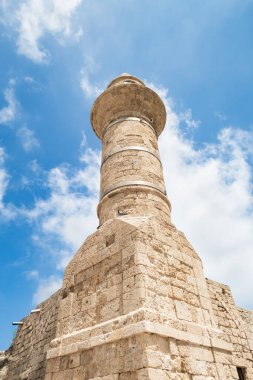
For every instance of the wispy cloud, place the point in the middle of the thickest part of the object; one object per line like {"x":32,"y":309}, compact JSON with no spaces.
{"x":8,"y":112}
{"x":28,"y":139}
{"x":7,"y":211}
{"x":186,"y":117}
{"x":32,"y":274}
{"x":3,"y":177}
{"x":220,"y":116}
{"x":35,"y":19}
{"x":90,"y":90}
{"x":68,"y":215}
{"x":46,"y":287}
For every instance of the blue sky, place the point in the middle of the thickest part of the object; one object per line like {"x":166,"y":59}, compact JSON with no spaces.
{"x":55,"y":58}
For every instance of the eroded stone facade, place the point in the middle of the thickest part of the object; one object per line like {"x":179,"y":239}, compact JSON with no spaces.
{"x":135,"y":303}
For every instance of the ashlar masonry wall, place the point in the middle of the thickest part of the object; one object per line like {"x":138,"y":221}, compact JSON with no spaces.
{"x":138,"y":308}
{"x":4,"y":359}
{"x":27,"y":355}
{"x":237,"y":324}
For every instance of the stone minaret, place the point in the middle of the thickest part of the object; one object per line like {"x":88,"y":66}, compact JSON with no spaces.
{"x":128,"y":117}
{"x":135,"y":302}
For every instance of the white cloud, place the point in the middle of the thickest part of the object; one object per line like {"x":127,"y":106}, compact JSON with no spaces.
{"x":210,"y":188}
{"x":186,"y":117}
{"x":7,"y":211}
{"x":83,"y":141}
{"x":29,"y":79}
{"x":64,"y":219}
{"x":27,"y":138}
{"x":68,"y":215}
{"x":89,"y":89}
{"x":220,"y":116}
{"x":8,"y":112}
{"x":34,"y":19}
{"x":3,"y":178}
{"x":34,"y":166}
{"x":32,"y":274}
{"x":46,"y":287}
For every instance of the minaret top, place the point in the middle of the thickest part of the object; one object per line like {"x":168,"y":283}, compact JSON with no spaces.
{"x":127,"y":96}
{"x":125,"y":78}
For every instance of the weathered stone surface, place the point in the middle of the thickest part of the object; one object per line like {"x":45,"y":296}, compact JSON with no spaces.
{"x":4,"y":361}
{"x":27,"y":355}
{"x":135,"y":304}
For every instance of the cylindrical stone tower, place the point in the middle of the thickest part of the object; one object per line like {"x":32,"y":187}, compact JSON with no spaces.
{"x":128,"y":117}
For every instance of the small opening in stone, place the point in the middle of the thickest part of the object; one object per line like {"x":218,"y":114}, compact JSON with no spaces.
{"x":71,"y":289}
{"x":129,"y":81}
{"x":223,"y":291}
{"x":241,"y":373}
{"x":64,"y":294}
{"x":121,"y":212}
{"x":109,"y":240}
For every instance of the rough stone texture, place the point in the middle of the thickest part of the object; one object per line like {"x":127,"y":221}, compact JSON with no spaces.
{"x":136,"y":279}
{"x":4,"y":361}
{"x":123,"y":98}
{"x":134,"y":302}
{"x":236,"y":323}
{"x":130,"y":154}
{"x":27,"y":355}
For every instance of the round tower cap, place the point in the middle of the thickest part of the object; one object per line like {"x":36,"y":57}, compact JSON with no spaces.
{"x":128,"y":96}
{"x":125,"y":78}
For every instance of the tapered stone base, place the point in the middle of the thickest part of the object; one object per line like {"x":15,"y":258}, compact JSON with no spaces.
{"x":136,"y":306}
